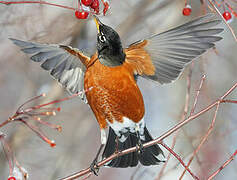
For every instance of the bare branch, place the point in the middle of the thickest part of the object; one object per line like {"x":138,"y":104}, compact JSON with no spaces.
{"x":37,"y":2}
{"x":185,"y":111}
{"x":223,"y":166}
{"x":179,"y":159}
{"x":203,"y":140}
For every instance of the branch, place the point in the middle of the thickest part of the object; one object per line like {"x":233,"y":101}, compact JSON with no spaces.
{"x":179,"y":159}
{"x":197,"y":95}
{"x":80,"y":7}
{"x":223,"y":166}
{"x":23,"y":114}
{"x":8,"y":152}
{"x":37,"y":2}
{"x":12,"y":162}
{"x":36,"y":112}
{"x":184,"y":114}
{"x":203,"y":140}
{"x":185,"y":111}
{"x":155,"y":141}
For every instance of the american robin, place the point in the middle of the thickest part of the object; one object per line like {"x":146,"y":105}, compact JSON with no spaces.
{"x":111,"y":75}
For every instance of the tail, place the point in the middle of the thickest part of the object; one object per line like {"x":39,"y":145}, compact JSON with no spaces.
{"x":149,"y":156}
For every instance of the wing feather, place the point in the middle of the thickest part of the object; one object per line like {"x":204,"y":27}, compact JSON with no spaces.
{"x":65,"y":64}
{"x":172,"y":50}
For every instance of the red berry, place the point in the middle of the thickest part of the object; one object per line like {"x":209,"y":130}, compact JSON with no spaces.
{"x":106,"y":7}
{"x":227,"y":15}
{"x":87,"y":2}
{"x":11,"y":178}
{"x":187,"y":10}
{"x":52,"y":144}
{"x":96,"y":6}
{"x":81,"y":14}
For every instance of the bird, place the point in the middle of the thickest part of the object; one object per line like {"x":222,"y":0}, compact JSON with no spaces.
{"x":108,"y":80}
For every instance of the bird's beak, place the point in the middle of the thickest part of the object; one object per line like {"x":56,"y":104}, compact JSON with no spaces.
{"x":98,"y":23}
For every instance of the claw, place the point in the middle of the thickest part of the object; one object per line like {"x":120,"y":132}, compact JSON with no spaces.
{"x":140,"y":148}
{"x":94,"y":167}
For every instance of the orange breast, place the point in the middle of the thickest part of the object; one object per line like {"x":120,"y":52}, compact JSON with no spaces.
{"x":115,"y":93}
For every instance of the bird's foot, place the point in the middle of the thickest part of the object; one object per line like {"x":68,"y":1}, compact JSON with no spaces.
{"x":117,"y":150}
{"x":94,"y":167}
{"x":139,"y":146}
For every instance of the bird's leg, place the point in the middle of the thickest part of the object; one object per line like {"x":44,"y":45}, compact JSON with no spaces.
{"x":140,"y":148}
{"x":94,"y":167}
{"x":117,"y":146}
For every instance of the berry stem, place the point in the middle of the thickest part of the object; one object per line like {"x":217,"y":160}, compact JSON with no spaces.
{"x":53,"y":126}
{"x":8,"y":152}
{"x":53,"y":102}
{"x":79,"y":4}
{"x":37,"y":131}
{"x":30,"y":100}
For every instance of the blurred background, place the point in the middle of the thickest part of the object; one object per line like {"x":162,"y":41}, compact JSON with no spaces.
{"x":21,"y":79}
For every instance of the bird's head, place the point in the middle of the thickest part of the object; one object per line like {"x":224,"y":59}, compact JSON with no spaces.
{"x":109,"y":46}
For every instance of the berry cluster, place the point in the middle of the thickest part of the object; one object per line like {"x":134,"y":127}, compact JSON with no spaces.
{"x":90,"y":6}
{"x":226,"y":5}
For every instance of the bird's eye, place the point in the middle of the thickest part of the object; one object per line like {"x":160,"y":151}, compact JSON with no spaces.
{"x":102,"y":38}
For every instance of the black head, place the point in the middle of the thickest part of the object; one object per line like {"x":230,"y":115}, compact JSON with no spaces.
{"x":109,"y":46}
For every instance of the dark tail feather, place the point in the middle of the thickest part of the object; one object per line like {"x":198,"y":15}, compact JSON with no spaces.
{"x":150,"y":155}
{"x":127,"y":160}
{"x":147,"y":157}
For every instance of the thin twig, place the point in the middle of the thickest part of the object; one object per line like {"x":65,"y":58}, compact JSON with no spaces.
{"x":34,"y":112}
{"x":228,"y":101}
{"x":203,"y":139}
{"x":5,"y":122}
{"x":22,"y":170}
{"x":185,"y":111}
{"x":193,"y":109}
{"x":197,"y":95}
{"x":30,"y":100}
{"x":55,"y":101}
{"x":37,"y":131}
{"x":179,"y":159}
{"x":168,"y":158}
{"x":8,"y":152}
{"x":37,"y":2}
{"x":223,"y":166}
{"x":187,"y":99}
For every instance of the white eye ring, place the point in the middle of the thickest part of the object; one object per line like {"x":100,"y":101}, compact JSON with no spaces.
{"x":102,"y":38}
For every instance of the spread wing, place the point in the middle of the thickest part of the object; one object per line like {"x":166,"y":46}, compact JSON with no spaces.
{"x":163,"y":56}
{"x":65,"y":64}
